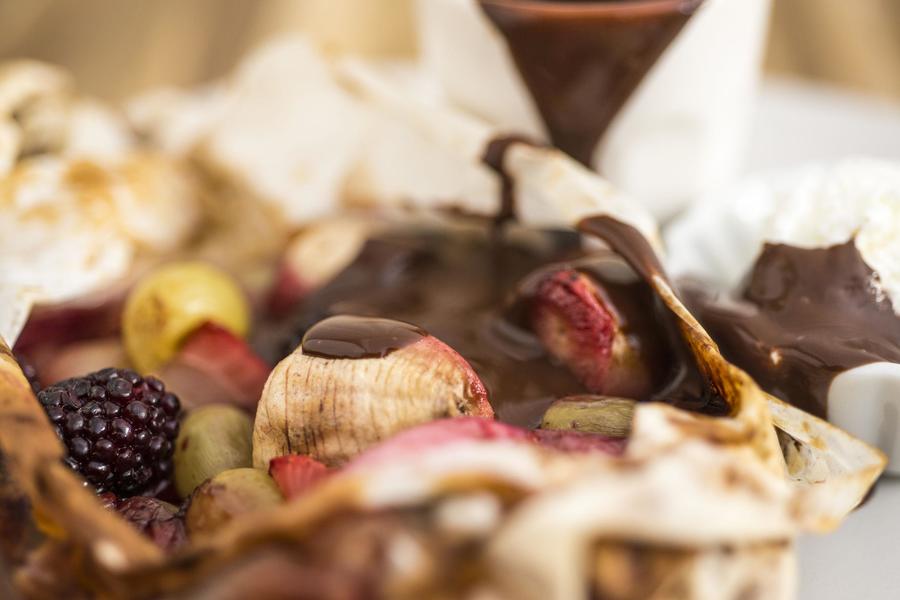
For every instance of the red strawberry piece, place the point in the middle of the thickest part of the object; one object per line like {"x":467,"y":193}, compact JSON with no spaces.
{"x":579,"y":327}
{"x":296,"y":474}
{"x":578,"y":441}
{"x":214,"y":365}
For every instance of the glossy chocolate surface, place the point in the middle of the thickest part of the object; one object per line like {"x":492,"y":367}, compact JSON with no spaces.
{"x":581,"y":61}
{"x":802,"y":317}
{"x":686,"y":387}
{"x":468,"y":287}
{"x":347,"y":336}
{"x":493,"y":157}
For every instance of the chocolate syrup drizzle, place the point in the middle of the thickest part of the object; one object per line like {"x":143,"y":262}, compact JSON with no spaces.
{"x":493,"y":157}
{"x":581,"y":61}
{"x":346,"y":336}
{"x":802,"y":317}
{"x":471,"y":289}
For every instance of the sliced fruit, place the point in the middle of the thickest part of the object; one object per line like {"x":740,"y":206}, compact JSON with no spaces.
{"x":212,"y":439}
{"x":313,"y":257}
{"x":580,"y":329}
{"x":98,"y":315}
{"x":171,"y":303}
{"x":156,"y":519}
{"x":321,"y":403}
{"x":214,"y":366}
{"x":591,"y":414}
{"x":228,"y":495}
{"x":295,"y":474}
{"x":76,"y":359}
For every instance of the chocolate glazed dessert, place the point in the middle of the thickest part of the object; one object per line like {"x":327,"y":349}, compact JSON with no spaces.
{"x":802,"y":317}
{"x":582,"y":60}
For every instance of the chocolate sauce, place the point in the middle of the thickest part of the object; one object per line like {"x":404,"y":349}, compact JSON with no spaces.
{"x":802,"y":317}
{"x":455,"y":284}
{"x":627,"y":242}
{"x":581,"y":61}
{"x":470,"y":288}
{"x":686,"y":388}
{"x":347,"y":336}
{"x":493,"y":157}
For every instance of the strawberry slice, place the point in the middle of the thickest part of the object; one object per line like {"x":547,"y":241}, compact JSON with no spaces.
{"x":575,"y":325}
{"x":99,"y":315}
{"x":214,"y":365}
{"x":296,"y":474}
{"x":579,"y":327}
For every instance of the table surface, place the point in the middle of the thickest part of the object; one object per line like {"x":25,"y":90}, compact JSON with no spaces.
{"x":797,"y":124}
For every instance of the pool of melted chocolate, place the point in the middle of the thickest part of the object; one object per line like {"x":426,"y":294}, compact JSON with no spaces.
{"x":470,"y":287}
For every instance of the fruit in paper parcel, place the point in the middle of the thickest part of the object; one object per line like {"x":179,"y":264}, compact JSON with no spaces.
{"x":214,"y":366}
{"x":119,"y":429}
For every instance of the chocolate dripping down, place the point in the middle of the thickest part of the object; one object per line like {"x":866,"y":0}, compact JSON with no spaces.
{"x":676,"y":377}
{"x":802,"y":317}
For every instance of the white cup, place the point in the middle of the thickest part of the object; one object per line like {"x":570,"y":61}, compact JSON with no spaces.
{"x":680,"y":134}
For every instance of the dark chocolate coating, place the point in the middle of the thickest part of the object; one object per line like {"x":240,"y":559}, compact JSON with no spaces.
{"x":581,"y":61}
{"x":346,"y":336}
{"x":493,"y":157}
{"x":802,"y":317}
{"x":687,"y":388}
{"x":456,"y":285}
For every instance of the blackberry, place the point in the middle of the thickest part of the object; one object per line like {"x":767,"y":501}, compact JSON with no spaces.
{"x":119,"y":428}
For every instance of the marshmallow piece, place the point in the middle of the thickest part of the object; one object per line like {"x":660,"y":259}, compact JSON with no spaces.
{"x":288,"y":131}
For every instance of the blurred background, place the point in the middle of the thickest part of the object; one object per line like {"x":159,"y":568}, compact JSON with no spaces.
{"x":117,"y":48}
